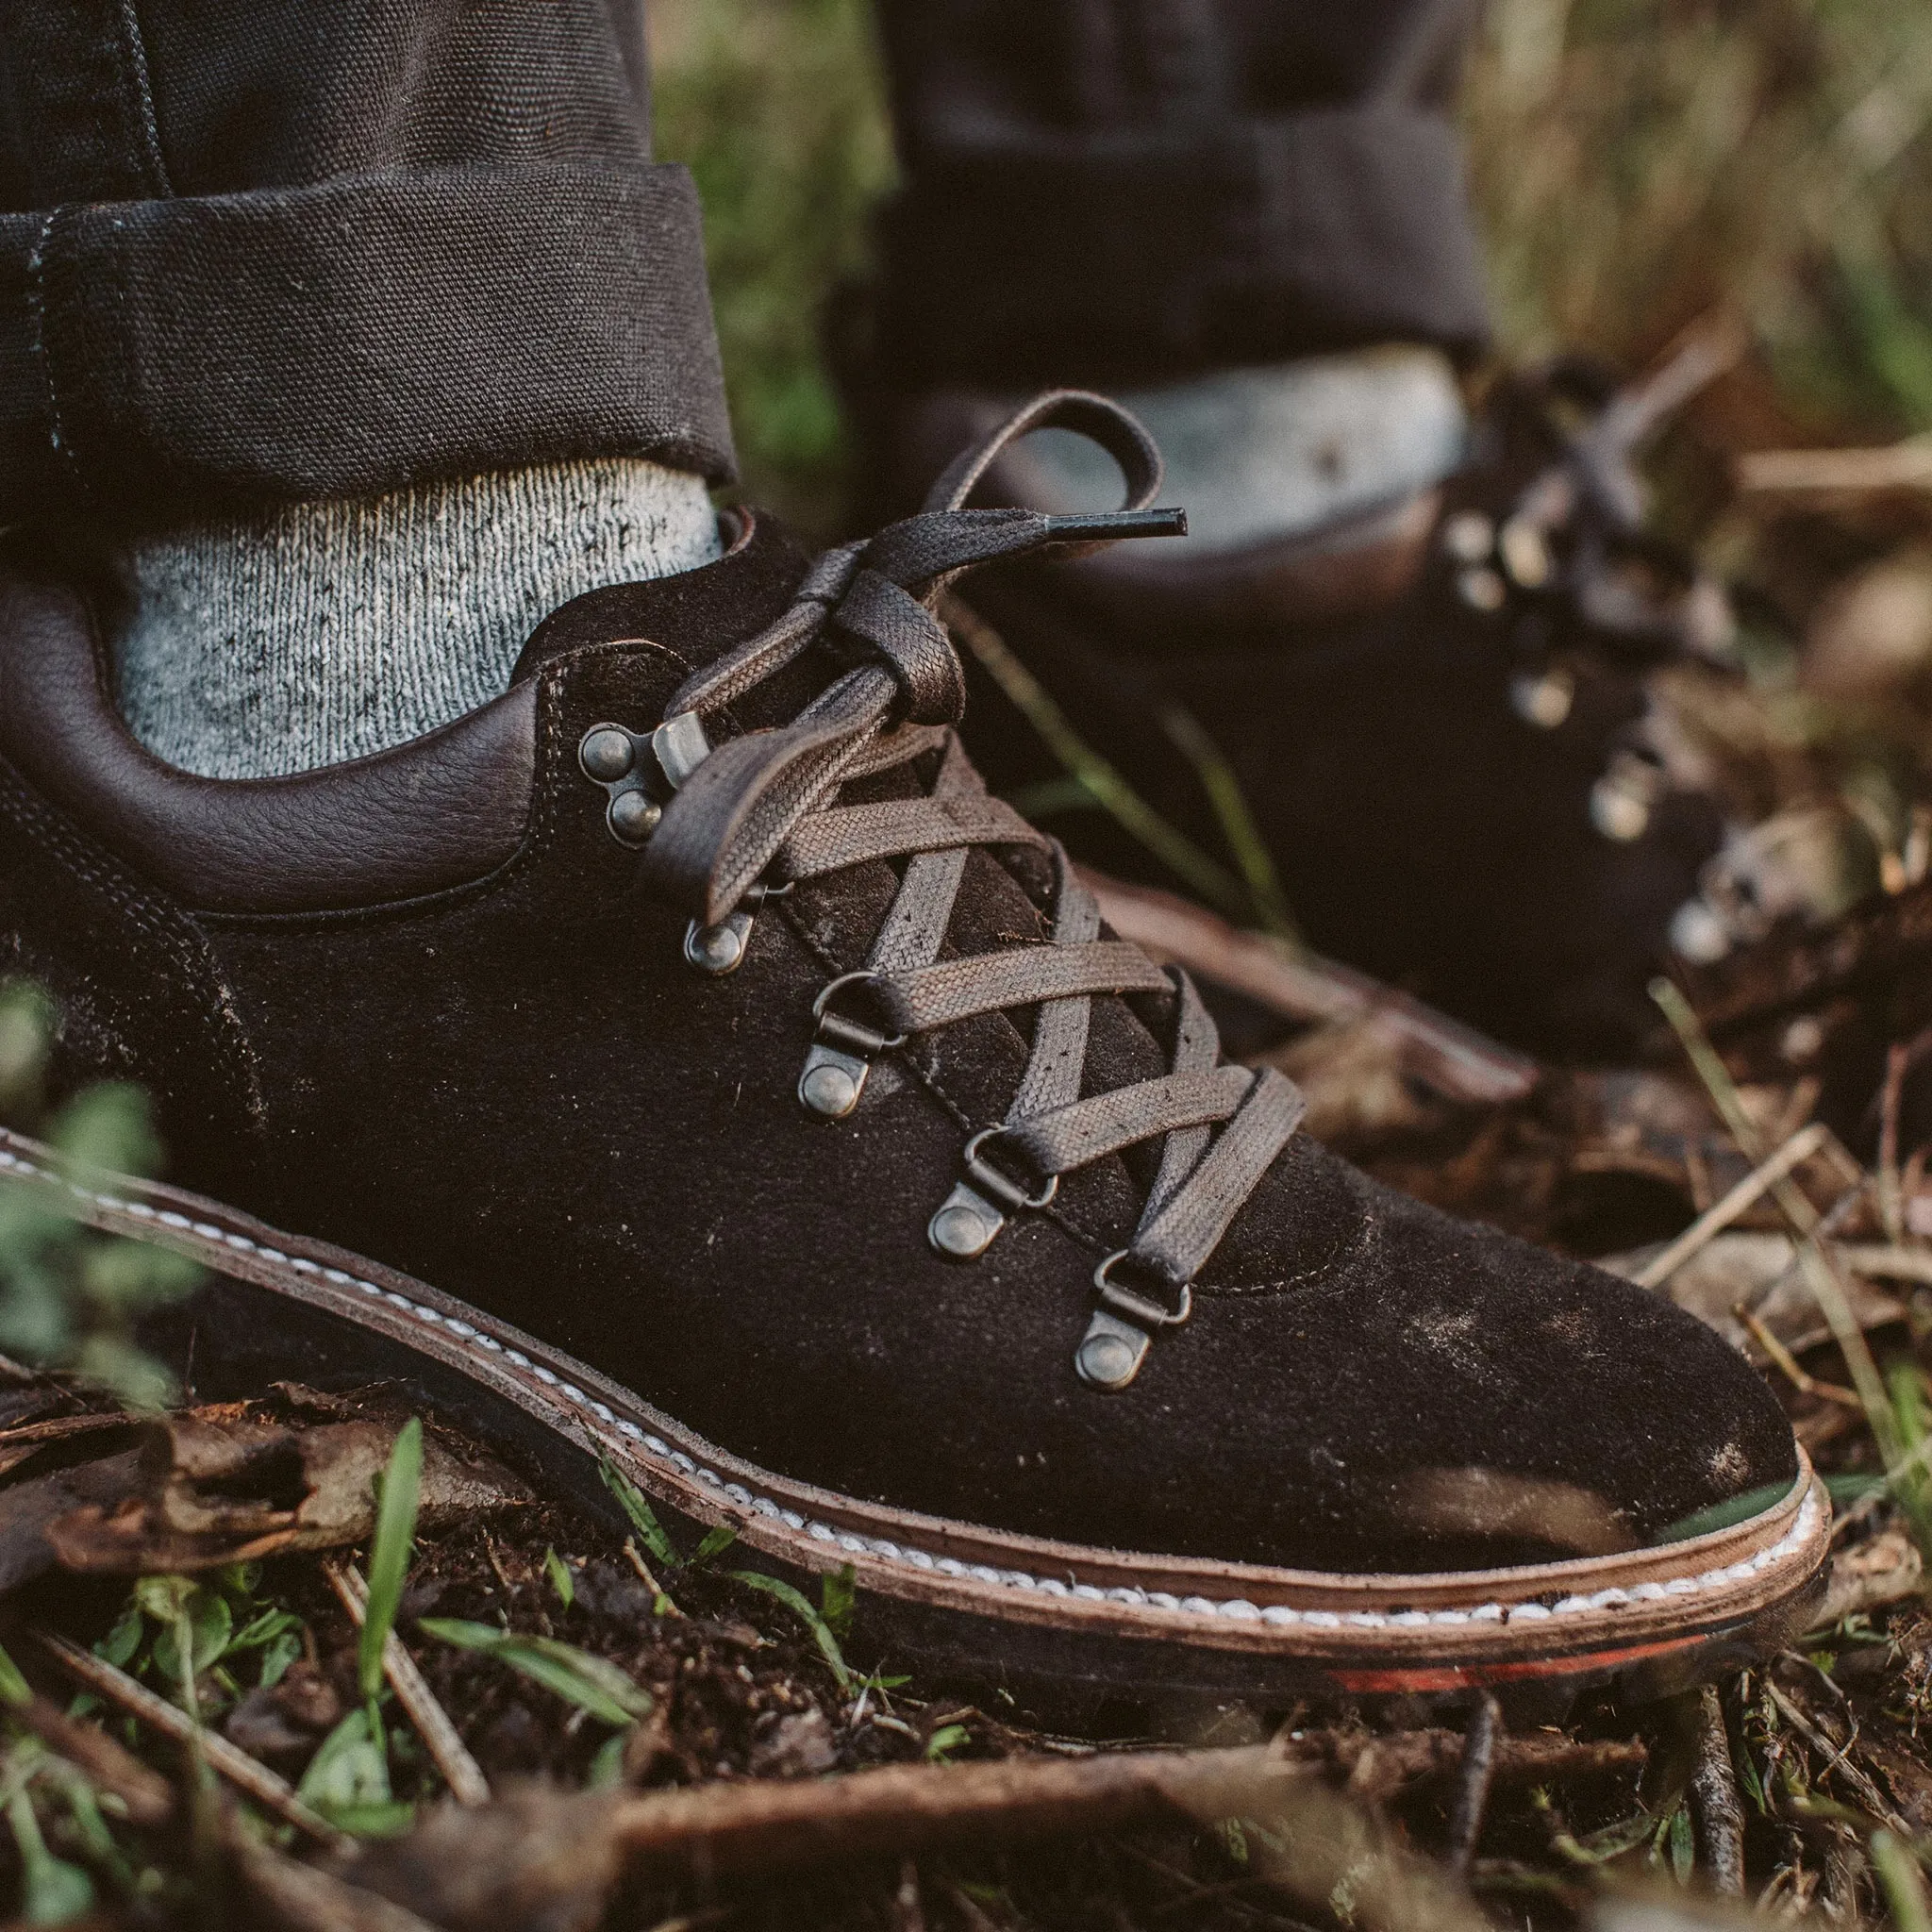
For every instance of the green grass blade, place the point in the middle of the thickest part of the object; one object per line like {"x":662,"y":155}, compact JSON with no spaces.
{"x":838,"y":1598}
{"x":594,"y":1684}
{"x":389,"y":1552}
{"x":801,"y":1607}
{"x":1898,"y":1876}
{"x":14,"y":1688}
{"x":644,"y":1519}
{"x":718,"y":1538}
{"x":1189,"y":736}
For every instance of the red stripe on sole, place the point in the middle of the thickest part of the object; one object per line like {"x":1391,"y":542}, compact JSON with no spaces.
{"x":1465,"y":1676}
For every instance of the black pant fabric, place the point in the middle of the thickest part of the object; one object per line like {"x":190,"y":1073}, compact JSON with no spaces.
{"x":255,"y":251}
{"x":261,"y":250}
{"x":1119,"y":191}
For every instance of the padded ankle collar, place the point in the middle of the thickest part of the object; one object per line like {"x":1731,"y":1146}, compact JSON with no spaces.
{"x":436,"y":812}
{"x":442,"y":810}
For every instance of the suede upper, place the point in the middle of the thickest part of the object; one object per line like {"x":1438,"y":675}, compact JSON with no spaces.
{"x":516,"y":1088}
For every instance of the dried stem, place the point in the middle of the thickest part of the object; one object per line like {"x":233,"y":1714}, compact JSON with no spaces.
{"x":149,"y":1798}
{"x":1820,"y":1276}
{"x":1765,"y":1175}
{"x":1719,"y":1811}
{"x":461,"y":1771}
{"x":1786,"y":1364}
{"x":1898,"y":1059}
{"x":241,"y":1770}
{"x":1472,"y":1783}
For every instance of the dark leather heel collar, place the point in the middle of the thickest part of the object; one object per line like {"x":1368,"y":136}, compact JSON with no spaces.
{"x":443,"y":809}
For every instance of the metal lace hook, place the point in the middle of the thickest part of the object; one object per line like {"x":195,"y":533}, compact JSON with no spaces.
{"x":1117,"y":1339}
{"x":842,"y":1051}
{"x":963,"y":1226}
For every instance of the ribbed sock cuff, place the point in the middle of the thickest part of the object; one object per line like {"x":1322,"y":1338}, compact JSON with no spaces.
{"x":326,"y":631}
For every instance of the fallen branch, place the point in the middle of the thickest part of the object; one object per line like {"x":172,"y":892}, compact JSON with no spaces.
{"x":1454,"y":1060}
{"x":908,"y":1809}
{"x":900,"y":1812}
{"x":241,"y":1770}
{"x":1378,"y":1768}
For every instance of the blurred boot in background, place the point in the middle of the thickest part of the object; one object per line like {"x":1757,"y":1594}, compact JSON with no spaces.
{"x":1392,"y":682}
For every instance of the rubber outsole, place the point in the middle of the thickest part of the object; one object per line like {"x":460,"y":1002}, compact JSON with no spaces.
{"x":1062,"y":1627}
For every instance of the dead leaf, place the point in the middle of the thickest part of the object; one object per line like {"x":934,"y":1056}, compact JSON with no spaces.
{"x":1886,"y":1570}
{"x":227,"y":1483}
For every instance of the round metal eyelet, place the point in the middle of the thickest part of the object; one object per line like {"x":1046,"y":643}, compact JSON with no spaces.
{"x":606,"y":754}
{"x":1139,"y":1308}
{"x":830,"y":1089}
{"x":633,"y":816}
{"x":715,"y":949}
{"x":1006,"y":1192}
{"x":1107,"y":1360}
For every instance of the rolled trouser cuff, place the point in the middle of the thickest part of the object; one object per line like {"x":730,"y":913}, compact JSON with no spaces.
{"x":1147,"y":255}
{"x":353,"y":337}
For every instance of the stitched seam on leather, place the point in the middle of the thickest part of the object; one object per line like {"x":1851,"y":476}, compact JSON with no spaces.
{"x":37,"y":347}
{"x":191,"y":951}
{"x":478,"y":1342}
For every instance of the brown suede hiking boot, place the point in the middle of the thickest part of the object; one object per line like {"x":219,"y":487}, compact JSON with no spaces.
{"x":682,"y":1060}
{"x":1403,"y":661}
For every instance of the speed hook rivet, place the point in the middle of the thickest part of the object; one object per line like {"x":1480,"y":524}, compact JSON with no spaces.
{"x":606,"y":754}
{"x":634,"y":816}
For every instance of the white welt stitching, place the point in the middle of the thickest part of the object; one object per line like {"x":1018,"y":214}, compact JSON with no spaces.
{"x":1236,"y":1609}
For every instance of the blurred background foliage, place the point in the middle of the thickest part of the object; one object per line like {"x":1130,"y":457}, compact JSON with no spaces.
{"x":70,"y":1296}
{"x":1635,"y":163}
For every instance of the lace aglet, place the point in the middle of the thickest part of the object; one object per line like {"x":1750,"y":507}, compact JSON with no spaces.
{"x":1104,"y":526}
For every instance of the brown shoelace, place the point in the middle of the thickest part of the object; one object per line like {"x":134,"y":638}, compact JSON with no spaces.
{"x":760,"y":813}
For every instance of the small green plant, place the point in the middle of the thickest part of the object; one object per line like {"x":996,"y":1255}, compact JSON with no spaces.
{"x":644,"y":1519}
{"x":944,"y":1741}
{"x":347,"y":1780}
{"x":389,"y":1552}
{"x":804,"y":1609}
{"x":594,"y":1684}
{"x":70,"y":1295}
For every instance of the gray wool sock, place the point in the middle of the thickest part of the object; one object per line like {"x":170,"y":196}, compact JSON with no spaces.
{"x":325,"y":631}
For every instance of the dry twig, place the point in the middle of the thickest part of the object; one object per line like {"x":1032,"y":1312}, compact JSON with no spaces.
{"x":147,"y":1796}
{"x":1795,"y":1153}
{"x":1720,"y":1812}
{"x":461,"y":1771}
{"x":1472,"y":1783}
{"x":241,"y":1770}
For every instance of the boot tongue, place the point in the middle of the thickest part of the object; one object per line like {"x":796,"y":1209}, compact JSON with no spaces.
{"x":697,"y":613}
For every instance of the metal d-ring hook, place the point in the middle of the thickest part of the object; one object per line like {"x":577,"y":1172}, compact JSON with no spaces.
{"x":1116,"y":1342}
{"x":964,"y":1224}
{"x":1003,"y":1189}
{"x":841,"y":1053}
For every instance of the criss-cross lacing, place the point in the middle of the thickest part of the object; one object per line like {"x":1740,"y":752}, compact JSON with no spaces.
{"x":760,"y":813}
